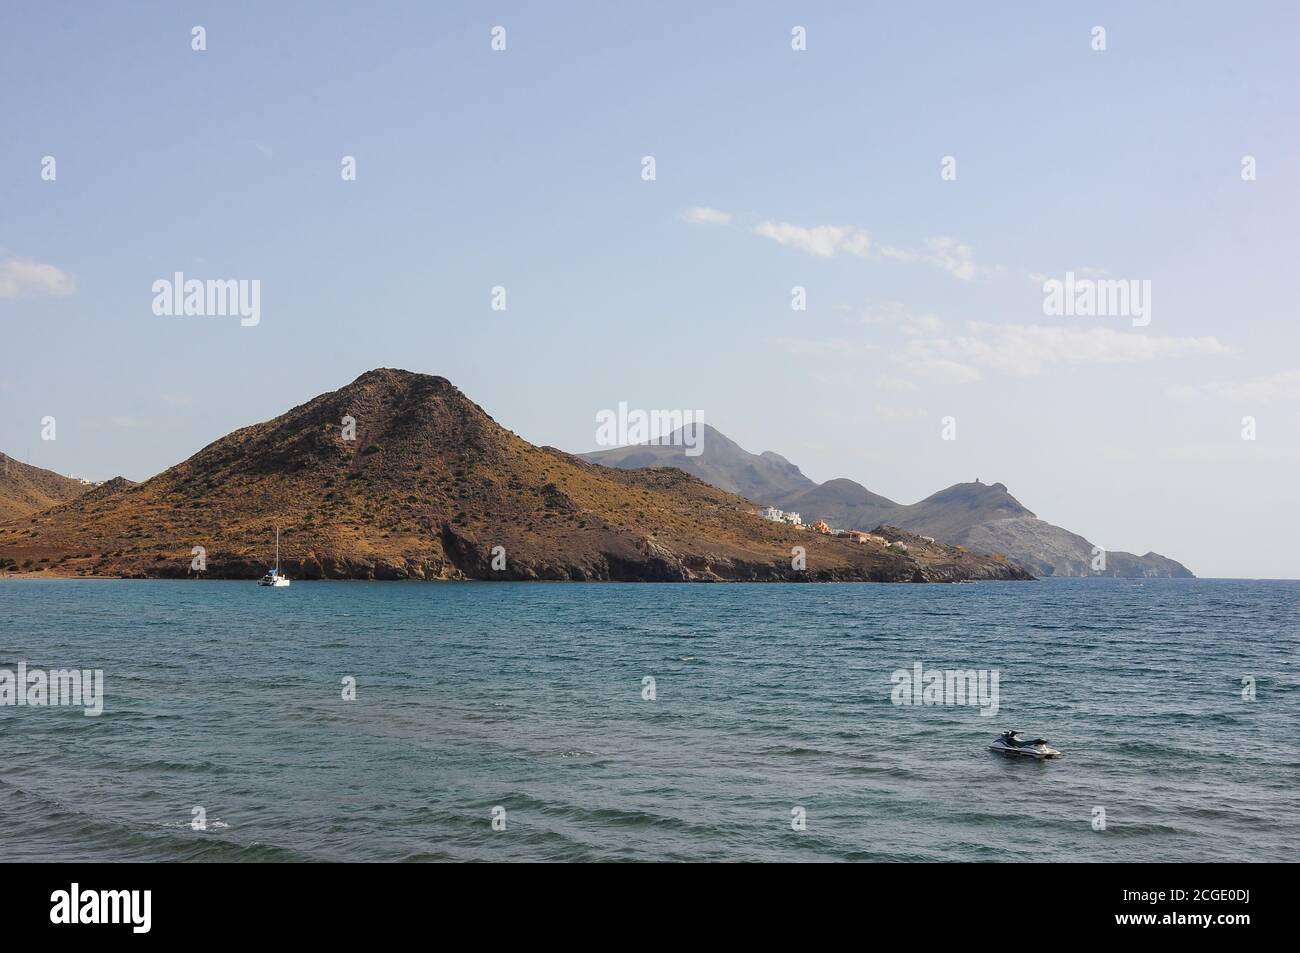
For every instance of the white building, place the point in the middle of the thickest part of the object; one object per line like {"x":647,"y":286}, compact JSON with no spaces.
{"x":771,"y":513}
{"x":792,"y":518}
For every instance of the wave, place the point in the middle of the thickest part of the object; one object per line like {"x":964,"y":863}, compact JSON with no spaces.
{"x":54,"y":830}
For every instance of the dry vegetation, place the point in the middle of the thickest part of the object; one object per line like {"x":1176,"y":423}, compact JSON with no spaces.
{"x":428,"y":487}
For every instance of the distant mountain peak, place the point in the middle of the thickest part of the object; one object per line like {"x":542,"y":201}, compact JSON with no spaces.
{"x":993,"y":498}
{"x":721,"y":462}
{"x":982,"y":516}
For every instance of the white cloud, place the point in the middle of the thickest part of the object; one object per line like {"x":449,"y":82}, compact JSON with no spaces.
{"x":922,"y":324}
{"x":940,"y":370}
{"x":703,"y":215}
{"x":1031,"y":350}
{"x":22,"y":277}
{"x":897,"y":314}
{"x":1263,"y":390}
{"x":824,"y":241}
{"x":1084,"y":271}
{"x":952,"y":256}
{"x":827,"y":241}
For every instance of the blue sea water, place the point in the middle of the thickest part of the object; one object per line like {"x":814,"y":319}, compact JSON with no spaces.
{"x":768,"y":699}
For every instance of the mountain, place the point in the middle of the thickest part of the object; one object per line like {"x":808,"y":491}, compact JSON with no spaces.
{"x":25,"y":489}
{"x":841,"y":503}
{"x":721,"y":463}
{"x":427,"y":489}
{"x":951,"y":512}
{"x":982,"y":517}
{"x":945,"y":515}
{"x":1050,"y":550}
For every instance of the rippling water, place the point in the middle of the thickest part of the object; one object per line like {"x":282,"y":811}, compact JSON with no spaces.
{"x":768,"y":697}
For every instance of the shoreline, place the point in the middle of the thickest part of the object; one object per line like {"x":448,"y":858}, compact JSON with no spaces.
{"x":36,"y":576}
{"x":48,"y":576}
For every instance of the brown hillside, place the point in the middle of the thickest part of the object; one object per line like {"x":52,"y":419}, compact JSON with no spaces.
{"x":26,"y":489}
{"x":426,"y":490}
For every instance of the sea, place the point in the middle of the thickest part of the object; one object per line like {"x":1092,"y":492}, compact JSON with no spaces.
{"x":386,"y":721}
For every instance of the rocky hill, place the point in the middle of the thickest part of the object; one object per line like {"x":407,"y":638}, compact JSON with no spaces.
{"x":982,"y":517}
{"x":1052,"y":551}
{"x":429,"y":488}
{"x":25,"y":489}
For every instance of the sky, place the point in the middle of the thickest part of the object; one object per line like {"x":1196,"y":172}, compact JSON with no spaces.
{"x":828,"y":169}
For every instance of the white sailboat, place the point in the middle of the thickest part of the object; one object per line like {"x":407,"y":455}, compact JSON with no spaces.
{"x":273,"y":576}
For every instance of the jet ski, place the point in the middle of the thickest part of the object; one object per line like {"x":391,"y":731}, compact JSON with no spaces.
{"x":1010,"y":742}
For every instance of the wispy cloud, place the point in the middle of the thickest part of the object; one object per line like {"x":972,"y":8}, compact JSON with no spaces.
{"x":22,"y":277}
{"x":703,"y":215}
{"x":1284,"y":385}
{"x":891,"y":412}
{"x":918,"y":325}
{"x":952,"y":256}
{"x":827,"y":241}
{"x":1085,"y":271}
{"x":1032,"y":350}
{"x":897,"y":315}
{"x":824,"y":241}
{"x":939,"y":370}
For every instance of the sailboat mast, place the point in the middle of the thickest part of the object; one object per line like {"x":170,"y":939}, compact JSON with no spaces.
{"x":277,"y":549}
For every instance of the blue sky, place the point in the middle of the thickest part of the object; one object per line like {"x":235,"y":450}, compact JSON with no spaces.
{"x":821,"y":169}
